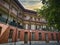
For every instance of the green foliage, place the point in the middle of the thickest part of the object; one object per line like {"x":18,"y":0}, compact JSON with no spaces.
{"x":51,"y":11}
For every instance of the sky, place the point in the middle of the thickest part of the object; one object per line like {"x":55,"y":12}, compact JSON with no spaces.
{"x":31,"y":4}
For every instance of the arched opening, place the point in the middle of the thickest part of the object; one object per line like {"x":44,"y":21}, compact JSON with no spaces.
{"x":18,"y":35}
{"x":33,"y":36}
{"x":40,"y":36}
{"x":52,"y":36}
{"x":46,"y":37}
{"x":57,"y":37}
{"x":26,"y":37}
{"x":10,"y":35}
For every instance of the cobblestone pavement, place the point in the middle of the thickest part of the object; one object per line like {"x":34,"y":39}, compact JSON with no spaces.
{"x":18,"y":43}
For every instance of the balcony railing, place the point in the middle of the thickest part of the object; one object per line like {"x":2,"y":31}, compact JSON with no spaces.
{"x":25,"y":18}
{"x":20,"y":16}
{"x":13,"y":24}
{"x":6,"y":5}
{"x":14,"y":11}
{"x":3,"y":20}
{"x":16,"y":25}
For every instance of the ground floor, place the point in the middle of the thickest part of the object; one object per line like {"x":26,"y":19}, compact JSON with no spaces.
{"x":33,"y":43}
{"x":13,"y":34}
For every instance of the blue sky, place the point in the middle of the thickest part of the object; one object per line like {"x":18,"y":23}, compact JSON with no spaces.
{"x":31,"y":4}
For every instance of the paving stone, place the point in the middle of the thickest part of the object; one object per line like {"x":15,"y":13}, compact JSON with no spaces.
{"x":19,"y":43}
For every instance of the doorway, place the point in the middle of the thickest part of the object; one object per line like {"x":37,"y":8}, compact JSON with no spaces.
{"x":10,"y":35}
{"x":26,"y":37}
{"x":46,"y":37}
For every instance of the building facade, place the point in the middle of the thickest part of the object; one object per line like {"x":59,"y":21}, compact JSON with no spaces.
{"x":20,"y":24}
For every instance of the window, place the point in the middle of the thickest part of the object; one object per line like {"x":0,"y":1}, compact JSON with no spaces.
{"x":10,"y":19}
{"x":40,"y":36}
{"x":36,"y":19}
{"x":0,"y":29}
{"x":52,"y":36}
{"x":56,"y":36}
{"x":6,"y":5}
{"x":42,"y":20}
{"x":37,"y":27}
{"x":3,"y":18}
{"x":40,"y":27}
{"x":27,"y":17}
{"x":29,"y":26}
{"x":46,"y":36}
{"x":33,"y":36}
{"x":44,"y":26}
{"x":10,"y":34}
{"x":39,"y":19}
{"x":25,"y":37}
{"x":30,"y":18}
{"x":19,"y":34}
{"x":26,"y":26}
{"x":33,"y":27}
{"x":14,"y":10}
{"x":33,"y":18}
{"x":0,"y":15}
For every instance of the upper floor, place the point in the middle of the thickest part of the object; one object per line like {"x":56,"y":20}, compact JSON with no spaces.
{"x":12,"y":12}
{"x":14,"y":8}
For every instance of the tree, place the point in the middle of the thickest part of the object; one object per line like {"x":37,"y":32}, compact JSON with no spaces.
{"x":51,"y":11}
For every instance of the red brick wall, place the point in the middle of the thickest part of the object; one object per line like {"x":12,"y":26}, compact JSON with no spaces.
{"x":4,"y":33}
{"x":59,"y":35}
{"x":6,"y":28}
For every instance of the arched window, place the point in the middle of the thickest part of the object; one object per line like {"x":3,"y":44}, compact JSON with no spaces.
{"x":56,"y":36}
{"x":18,"y":35}
{"x":10,"y":33}
{"x":46,"y":36}
{"x":40,"y":36}
{"x":25,"y":37}
{"x":52,"y":36}
{"x":33,"y":36}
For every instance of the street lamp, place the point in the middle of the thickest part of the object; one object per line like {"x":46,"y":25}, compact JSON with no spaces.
{"x":30,"y":37}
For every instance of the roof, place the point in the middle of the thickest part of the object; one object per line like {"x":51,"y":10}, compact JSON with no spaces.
{"x":26,"y":10}
{"x":30,"y":11}
{"x":19,"y":4}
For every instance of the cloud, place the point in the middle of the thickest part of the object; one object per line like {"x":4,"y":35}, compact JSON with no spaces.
{"x":36,"y":6}
{"x":29,"y":0}
{"x":31,"y":4}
